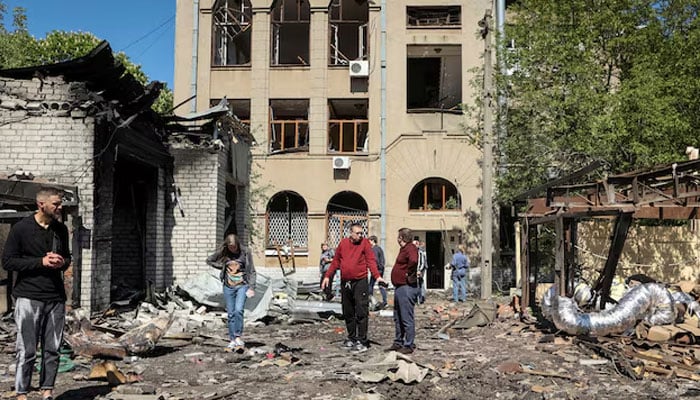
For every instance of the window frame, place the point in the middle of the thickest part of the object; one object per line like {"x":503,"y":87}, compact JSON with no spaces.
{"x":425,"y":187}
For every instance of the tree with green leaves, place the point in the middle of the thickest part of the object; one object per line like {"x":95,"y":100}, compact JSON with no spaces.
{"x":20,"y":49}
{"x":608,"y":80}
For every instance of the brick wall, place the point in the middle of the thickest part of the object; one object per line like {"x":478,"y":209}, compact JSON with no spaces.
{"x":155,"y":235}
{"x":42,"y":134}
{"x":198,"y":175}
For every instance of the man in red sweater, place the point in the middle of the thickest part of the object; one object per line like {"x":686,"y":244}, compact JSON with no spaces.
{"x":354,"y":256}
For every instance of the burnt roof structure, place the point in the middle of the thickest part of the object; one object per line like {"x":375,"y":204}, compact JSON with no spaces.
{"x":102,"y":74}
{"x":668,"y":191}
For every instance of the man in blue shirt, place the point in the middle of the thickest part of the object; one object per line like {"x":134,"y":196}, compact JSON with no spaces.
{"x":460,"y":267}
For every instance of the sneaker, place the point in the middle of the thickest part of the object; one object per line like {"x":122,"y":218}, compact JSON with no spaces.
{"x":359,"y":348}
{"x":348,"y":344}
{"x":405,"y":350}
{"x":231,"y":346}
{"x":239,"y":342}
{"x":394,"y":347}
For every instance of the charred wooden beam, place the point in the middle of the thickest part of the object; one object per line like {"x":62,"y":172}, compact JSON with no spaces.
{"x":559,"y":181}
{"x":663,"y":171}
{"x":622,"y":364}
{"x":622,"y":224}
{"x":560,"y":256}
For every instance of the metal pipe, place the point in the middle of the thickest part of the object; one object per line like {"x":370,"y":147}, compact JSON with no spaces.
{"x":650,"y":302}
{"x":195,"y":50}
{"x":382,"y":124}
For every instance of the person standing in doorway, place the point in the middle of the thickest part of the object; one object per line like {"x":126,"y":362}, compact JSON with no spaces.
{"x":460,"y":268}
{"x":238,"y":278}
{"x":37,"y":250}
{"x":354,"y":256}
{"x":405,"y":280}
{"x":422,"y":271}
{"x":379,"y":256}
{"x":324,"y":263}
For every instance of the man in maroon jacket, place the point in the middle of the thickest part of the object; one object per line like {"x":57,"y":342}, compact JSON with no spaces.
{"x":406,"y":292}
{"x":354,"y":256}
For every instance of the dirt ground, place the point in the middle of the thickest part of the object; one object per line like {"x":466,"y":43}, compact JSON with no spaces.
{"x":505,"y":360}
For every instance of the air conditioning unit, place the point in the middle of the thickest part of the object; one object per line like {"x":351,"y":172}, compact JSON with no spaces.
{"x":359,"y":68}
{"x":341,"y":162}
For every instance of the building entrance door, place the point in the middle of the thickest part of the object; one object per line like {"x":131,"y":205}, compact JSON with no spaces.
{"x":436,"y":256}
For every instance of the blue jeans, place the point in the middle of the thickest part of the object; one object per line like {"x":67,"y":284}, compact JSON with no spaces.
{"x":235,"y":303}
{"x":459,"y":282}
{"x":405,"y":298}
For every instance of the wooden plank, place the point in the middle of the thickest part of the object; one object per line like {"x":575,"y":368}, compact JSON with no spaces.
{"x":690,"y":328}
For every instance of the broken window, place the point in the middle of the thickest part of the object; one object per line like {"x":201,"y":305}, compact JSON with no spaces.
{"x":290,"y":32}
{"x":440,"y":16}
{"x":434,"y":78}
{"x":348,"y":30}
{"x":434,"y":194}
{"x":348,"y":126}
{"x":289,"y":125}
{"x":239,"y":107}
{"x":286,"y":221}
{"x":232,"y":20}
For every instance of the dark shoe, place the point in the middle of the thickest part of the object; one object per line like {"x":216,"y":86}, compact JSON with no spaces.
{"x":348,"y":344}
{"x":359,"y":348}
{"x":405,"y":350}
{"x":394,"y":347}
{"x":382,"y":305}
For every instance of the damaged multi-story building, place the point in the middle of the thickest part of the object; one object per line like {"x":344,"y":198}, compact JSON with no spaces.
{"x":356,"y":111}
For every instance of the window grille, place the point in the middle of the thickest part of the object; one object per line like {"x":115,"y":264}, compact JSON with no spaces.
{"x":339,"y":225}
{"x":283,"y":226}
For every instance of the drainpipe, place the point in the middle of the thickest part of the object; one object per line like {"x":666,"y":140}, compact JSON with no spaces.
{"x":382,"y":123}
{"x":500,"y":49}
{"x":500,"y":16}
{"x":500,"y":27}
{"x":195,"y":49}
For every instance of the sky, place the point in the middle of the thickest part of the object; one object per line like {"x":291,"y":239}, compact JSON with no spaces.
{"x":144,"y":30}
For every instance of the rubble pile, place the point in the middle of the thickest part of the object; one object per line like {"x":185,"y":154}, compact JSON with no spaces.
{"x":174,"y":348}
{"x":649,"y":333}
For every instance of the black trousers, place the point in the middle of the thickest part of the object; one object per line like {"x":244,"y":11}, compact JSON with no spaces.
{"x":355,"y":302}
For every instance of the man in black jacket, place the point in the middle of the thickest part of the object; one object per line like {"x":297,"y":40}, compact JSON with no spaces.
{"x":37,"y":250}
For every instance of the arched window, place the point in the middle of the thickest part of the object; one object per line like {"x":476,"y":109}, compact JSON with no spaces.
{"x":434,"y":194}
{"x":342,"y":210}
{"x":232,"y":23}
{"x":287,"y":220}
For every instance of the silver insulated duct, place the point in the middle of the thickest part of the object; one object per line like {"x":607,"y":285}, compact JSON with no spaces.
{"x":650,"y":302}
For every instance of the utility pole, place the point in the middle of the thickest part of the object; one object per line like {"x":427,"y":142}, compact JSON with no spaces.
{"x":487,"y":165}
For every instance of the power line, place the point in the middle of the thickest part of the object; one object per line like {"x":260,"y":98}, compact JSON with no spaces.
{"x":148,"y":34}
{"x":151,"y":45}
